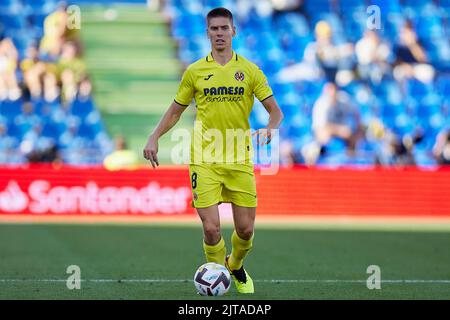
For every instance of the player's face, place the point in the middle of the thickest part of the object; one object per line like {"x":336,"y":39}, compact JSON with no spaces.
{"x":220,"y":32}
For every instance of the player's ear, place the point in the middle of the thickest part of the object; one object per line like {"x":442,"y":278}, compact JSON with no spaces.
{"x":234,"y":30}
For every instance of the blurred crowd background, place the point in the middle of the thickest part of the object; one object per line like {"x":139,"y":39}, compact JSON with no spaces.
{"x":353,"y":92}
{"x":47,"y":112}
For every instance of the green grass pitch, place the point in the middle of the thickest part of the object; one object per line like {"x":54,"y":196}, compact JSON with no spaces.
{"x":158,"y":262}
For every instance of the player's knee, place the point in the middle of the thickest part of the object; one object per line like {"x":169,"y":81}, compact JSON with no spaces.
{"x":245,"y":232}
{"x":212,"y":233}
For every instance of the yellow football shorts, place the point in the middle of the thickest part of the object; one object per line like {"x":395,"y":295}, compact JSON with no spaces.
{"x":216,"y":183}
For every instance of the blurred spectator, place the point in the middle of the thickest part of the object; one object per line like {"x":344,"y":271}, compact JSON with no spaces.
{"x":9,"y":58}
{"x":84,"y":89}
{"x":244,"y":8}
{"x":54,"y":29}
{"x":31,"y":58}
{"x":46,"y":155}
{"x":56,"y":32}
{"x":372,"y":55}
{"x":287,"y":6}
{"x":441,"y":148}
{"x":37,"y":148}
{"x":8,"y":146}
{"x":324,"y":52}
{"x":70,"y":60}
{"x":70,"y":139}
{"x":27,"y":119}
{"x":51,"y":77}
{"x":289,"y":155}
{"x":32,"y":69}
{"x":69,"y":86}
{"x":322,"y":58}
{"x":51,"y":99}
{"x":334,"y":118}
{"x":411,"y":59}
{"x":334,"y":115}
{"x":51,"y":89}
{"x":121,"y":158}
{"x":396,"y":150}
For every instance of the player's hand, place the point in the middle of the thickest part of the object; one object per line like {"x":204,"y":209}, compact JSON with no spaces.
{"x":263,"y":136}
{"x":151,"y":151}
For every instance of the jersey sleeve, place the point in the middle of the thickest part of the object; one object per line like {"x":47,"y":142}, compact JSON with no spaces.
{"x":185,"y":92}
{"x":261,"y":86}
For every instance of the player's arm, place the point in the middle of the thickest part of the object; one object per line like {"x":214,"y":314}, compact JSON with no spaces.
{"x":264,"y":93}
{"x":264,"y":136}
{"x":168,"y":120}
{"x":182,"y":99}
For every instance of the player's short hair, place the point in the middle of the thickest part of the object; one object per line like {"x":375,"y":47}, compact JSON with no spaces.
{"x":219,"y":12}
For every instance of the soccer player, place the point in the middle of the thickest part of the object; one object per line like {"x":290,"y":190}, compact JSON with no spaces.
{"x":223,"y":85}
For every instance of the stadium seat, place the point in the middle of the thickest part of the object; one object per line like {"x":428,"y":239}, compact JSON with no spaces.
{"x":10,"y":108}
{"x":417,"y":89}
{"x":82,"y":107}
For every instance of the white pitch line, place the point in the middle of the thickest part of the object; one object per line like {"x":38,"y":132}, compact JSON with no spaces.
{"x":402,"y":281}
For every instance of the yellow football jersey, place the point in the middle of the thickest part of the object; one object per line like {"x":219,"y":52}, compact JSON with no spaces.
{"x":224,"y":97}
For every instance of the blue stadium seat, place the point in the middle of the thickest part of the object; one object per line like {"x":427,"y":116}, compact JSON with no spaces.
{"x":416,"y":4}
{"x":392,"y":25}
{"x":14,"y":131}
{"x":13,"y":21}
{"x":443,"y":85}
{"x":417,"y":89}
{"x":38,"y":18}
{"x":427,"y":110}
{"x":292,"y":23}
{"x":335,"y":145}
{"x":299,"y":127}
{"x":86,"y":131}
{"x":389,"y":111}
{"x":10,"y":108}
{"x":318,"y":6}
{"x":51,"y":130}
{"x":82,"y":107}
{"x":391,"y":6}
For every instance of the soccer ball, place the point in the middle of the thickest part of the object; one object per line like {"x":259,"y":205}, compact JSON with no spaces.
{"x":212,"y":279}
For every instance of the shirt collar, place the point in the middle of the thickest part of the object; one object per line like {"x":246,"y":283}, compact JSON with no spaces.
{"x":209,"y":57}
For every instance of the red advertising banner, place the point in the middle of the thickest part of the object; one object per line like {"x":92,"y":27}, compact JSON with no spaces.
{"x":44,"y":190}
{"x":383,"y":191}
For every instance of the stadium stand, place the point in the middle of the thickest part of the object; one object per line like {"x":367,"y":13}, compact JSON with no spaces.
{"x":47,"y":113}
{"x":402,"y":97}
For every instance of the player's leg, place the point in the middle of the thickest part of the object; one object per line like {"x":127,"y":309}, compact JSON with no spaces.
{"x":242,"y":242}
{"x":213,"y":243}
{"x":242,"y":237}
{"x":206,"y":194}
{"x":240,"y":190}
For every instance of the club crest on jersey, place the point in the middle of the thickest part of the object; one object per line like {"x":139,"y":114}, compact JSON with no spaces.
{"x":239,"y":76}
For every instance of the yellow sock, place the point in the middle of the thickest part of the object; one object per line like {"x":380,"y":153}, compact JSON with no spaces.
{"x":215,"y":253}
{"x":239,"y":251}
